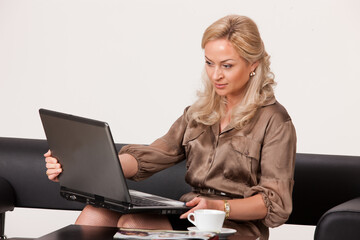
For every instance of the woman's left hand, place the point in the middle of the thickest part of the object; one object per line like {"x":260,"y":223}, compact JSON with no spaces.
{"x":202,"y":203}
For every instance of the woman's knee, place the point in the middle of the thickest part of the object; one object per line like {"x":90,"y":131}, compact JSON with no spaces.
{"x":126,"y":221}
{"x":91,"y":215}
{"x":144,"y":221}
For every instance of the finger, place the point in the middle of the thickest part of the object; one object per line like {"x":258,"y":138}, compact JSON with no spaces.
{"x":53,"y":165}
{"x":51,"y":160}
{"x":185,"y":215}
{"x":193,"y":202}
{"x":53,"y":178}
{"x":55,"y":172}
{"x":195,"y":199}
{"x":48,"y":153}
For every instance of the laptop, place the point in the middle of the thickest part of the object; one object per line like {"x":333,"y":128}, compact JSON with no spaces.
{"x":92,"y":173}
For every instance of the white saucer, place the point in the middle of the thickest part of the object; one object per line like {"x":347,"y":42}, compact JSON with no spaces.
{"x":225,"y":232}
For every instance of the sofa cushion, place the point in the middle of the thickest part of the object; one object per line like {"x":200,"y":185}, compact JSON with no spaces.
{"x":22,"y":165}
{"x":340,"y":222}
{"x":321,"y":183}
{"x":7,"y":196}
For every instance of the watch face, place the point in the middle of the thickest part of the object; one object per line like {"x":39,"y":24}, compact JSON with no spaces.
{"x":226,"y":208}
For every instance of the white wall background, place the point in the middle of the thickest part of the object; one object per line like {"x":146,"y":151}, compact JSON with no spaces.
{"x":137,"y":64}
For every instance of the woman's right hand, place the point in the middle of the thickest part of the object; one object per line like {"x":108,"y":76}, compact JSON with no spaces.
{"x":53,"y":167}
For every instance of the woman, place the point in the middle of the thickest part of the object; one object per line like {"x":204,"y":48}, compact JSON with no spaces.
{"x":238,"y":141}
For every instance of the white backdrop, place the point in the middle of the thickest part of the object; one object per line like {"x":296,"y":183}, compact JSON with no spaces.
{"x":137,"y":64}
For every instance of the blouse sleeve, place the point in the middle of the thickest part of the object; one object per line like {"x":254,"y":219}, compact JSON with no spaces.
{"x":162,"y":153}
{"x":277,"y":171}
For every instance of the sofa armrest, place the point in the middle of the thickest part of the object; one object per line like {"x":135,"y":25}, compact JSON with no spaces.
{"x":7,"y":196}
{"x":340,"y":222}
{"x":7,"y":203}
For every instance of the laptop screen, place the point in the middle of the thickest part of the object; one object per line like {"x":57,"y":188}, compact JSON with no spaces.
{"x":87,"y":153}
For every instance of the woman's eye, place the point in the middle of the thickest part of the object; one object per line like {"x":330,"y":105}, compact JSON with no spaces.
{"x":208,"y":63}
{"x":227,"y":65}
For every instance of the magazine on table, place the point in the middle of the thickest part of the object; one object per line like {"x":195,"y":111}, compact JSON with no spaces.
{"x":125,"y":233}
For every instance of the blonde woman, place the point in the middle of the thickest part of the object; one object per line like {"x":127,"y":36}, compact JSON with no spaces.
{"x":238,"y":141}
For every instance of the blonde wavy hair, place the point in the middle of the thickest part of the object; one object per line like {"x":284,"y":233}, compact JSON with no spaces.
{"x":244,"y":35}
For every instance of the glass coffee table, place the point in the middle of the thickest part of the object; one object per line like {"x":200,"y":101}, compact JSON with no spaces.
{"x":81,"y":232}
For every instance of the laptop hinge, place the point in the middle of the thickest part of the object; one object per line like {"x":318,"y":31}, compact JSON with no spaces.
{"x":99,"y":200}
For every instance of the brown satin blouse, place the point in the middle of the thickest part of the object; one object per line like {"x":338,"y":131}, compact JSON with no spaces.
{"x":259,"y":158}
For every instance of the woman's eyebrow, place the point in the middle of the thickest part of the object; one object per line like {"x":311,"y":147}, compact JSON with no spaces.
{"x":208,"y":58}
{"x":221,"y":61}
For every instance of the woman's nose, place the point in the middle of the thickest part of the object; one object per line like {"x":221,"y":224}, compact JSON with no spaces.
{"x":217,"y":74}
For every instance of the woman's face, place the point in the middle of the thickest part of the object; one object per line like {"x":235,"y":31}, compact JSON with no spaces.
{"x":227,"y":71}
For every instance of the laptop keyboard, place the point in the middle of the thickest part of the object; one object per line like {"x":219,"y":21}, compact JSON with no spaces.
{"x":139,"y":201}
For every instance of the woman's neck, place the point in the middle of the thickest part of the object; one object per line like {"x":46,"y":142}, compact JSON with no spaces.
{"x":225,"y":120}
{"x":232,"y":101}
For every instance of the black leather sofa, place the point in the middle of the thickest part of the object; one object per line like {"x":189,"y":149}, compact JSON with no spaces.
{"x":326,"y":192}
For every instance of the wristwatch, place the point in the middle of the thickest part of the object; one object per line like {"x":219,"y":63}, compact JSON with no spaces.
{"x":226,"y":209}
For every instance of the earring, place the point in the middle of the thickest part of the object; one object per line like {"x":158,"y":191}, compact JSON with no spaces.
{"x":252,"y":74}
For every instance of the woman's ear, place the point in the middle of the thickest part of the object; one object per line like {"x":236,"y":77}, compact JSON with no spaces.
{"x":254,"y":66}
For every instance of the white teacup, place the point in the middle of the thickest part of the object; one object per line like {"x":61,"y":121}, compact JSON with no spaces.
{"x":207,"y":219}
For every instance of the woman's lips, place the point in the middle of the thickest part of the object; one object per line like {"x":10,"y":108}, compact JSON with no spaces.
{"x":220,"y":86}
